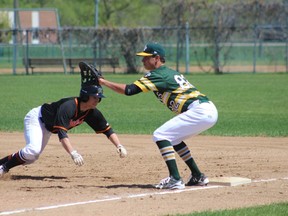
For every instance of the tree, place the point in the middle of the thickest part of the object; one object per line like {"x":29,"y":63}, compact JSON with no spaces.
{"x":216,"y":23}
{"x":5,"y":36}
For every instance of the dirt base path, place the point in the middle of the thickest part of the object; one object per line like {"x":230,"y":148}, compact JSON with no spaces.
{"x":107,"y":185}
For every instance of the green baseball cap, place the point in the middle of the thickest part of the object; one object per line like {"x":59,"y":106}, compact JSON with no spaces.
{"x":151,"y":49}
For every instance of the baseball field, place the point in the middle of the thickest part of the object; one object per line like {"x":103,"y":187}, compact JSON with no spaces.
{"x":250,"y":140}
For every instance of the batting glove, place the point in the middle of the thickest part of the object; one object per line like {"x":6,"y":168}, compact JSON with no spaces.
{"x":121,"y":151}
{"x":77,"y":158}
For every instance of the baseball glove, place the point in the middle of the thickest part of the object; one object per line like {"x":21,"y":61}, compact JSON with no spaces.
{"x":89,"y":74}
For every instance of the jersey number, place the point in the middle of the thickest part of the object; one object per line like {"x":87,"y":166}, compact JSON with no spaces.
{"x":182,"y":82}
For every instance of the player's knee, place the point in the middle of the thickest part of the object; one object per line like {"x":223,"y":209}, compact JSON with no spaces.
{"x":157,"y":136}
{"x":30,"y":155}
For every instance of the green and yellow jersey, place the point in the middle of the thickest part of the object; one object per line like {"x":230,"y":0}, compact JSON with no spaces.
{"x":171,"y":88}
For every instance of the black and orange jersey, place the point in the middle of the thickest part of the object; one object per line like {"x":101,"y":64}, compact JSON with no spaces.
{"x":62,"y":115}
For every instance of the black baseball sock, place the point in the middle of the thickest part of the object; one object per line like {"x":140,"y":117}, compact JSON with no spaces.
{"x":13,"y":160}
{"x":5,"y":159}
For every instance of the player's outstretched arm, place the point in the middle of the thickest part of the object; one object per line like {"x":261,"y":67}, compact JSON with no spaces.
{"x":76,"y":157}
{"x":120,"y":148}
{"x":117,"y":87}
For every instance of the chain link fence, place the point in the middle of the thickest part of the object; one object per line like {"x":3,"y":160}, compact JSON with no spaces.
{"x":263,"y":48}
{"x":243,"y":36}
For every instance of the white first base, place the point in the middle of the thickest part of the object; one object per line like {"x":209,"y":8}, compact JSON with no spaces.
{"x":229,"y":181}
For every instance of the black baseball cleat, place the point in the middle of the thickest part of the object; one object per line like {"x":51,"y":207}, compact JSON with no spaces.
{"x":197,"y":180}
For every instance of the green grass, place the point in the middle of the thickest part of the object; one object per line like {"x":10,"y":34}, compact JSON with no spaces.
{"x":248,"y":104}
{"x":278,"y":209}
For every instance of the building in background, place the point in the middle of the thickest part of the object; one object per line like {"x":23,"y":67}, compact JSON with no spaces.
{"x":35,"y":26}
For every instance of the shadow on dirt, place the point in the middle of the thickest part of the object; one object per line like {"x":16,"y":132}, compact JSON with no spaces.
{"x":129,"y":186}
{"x":37,"y":178}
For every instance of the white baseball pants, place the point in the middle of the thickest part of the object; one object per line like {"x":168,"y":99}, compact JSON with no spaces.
{"x":198,"y":118}
{"x":36,"y":136}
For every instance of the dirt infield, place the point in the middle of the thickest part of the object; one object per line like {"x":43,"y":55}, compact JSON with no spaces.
{"x":107,"y":185}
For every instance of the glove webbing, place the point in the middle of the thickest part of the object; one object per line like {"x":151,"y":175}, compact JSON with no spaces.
{"x":88,"y":78}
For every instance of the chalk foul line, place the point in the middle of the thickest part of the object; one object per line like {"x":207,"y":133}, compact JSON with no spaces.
{"x":127,"y":197}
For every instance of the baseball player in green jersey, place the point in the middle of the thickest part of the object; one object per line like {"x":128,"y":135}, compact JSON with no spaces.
{"x":59,"y":117}
{"x":195,"y":113}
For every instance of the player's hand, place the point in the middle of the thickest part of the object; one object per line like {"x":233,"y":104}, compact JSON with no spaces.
{"x":121,"y":151}
{"x":77,"y":158}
